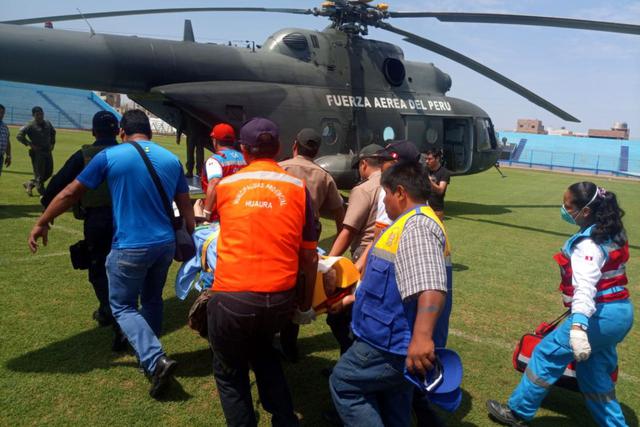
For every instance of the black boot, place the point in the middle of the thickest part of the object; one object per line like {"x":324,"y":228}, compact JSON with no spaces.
{"x":103,"y":318}
{"x":120,"y":342}
{"x":161,"y":376}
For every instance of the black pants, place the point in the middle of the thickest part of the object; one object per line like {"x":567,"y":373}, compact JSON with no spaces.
{"x":98,"y":233}
{"x":340,"y":324}
{"x":241,"y":330}
{"x":195,"y":156}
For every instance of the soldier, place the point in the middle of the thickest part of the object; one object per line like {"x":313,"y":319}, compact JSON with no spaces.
{"x":95,"y":210}
{"x":40,"y":136}
{"x":5,"y":143}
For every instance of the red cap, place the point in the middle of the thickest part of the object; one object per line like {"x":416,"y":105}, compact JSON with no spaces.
{"x":223,"y":132}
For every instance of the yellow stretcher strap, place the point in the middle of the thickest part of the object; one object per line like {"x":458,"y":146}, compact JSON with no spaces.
{"x":205,"y":248}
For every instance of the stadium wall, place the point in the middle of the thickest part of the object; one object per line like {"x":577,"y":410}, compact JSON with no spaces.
{"x":576,"y":154}
{"x":63,"y":107}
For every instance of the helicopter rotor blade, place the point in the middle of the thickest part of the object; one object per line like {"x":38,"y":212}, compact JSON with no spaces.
{"x":75,"y":16}
{"x":479,"y":68}
{"x":544,"y":21}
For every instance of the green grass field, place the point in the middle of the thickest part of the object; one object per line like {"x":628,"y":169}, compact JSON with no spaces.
{"x":56,"y":367}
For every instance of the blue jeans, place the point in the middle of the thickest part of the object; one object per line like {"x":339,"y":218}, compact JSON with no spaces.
{"x":140,"y":274}
{"x":369,"y":389}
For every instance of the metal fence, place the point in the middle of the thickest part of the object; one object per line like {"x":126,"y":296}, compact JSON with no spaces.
{"x":597,"y":164}
{"x":20,"y":116}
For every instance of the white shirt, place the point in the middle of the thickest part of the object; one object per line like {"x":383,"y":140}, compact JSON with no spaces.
{"x":213,"y":168}
{"x":382,"y":219}
{"x":587,"y":260}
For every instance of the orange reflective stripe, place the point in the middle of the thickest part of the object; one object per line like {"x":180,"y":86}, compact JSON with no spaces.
{"x":264,"y":175}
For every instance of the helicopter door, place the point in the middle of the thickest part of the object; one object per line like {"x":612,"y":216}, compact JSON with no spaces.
{"x":458,"y":143}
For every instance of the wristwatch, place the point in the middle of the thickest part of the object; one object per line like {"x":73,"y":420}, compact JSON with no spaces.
{"x":583,"y":327}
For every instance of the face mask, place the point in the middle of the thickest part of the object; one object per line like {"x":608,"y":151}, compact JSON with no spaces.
{"x":565,"y":215}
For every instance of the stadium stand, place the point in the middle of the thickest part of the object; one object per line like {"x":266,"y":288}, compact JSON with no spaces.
{"x":595,"y":155}
{"x":63,"y":107}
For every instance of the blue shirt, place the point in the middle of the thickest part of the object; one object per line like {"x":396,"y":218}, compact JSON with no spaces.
{"x":140,"y":219}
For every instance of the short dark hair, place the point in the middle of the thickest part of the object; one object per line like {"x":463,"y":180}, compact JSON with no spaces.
{"x":135,"y":121}
{"x":412,"y":176}
{"x":372,"y":161}
{"x":36,"y":109}
{"x":266,"y":148}
{"x":2,"y":107}
{"x":437,"y":153}
{"x":307,"y":151}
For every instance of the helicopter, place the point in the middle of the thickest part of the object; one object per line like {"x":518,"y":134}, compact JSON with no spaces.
{"x":354,"y":90}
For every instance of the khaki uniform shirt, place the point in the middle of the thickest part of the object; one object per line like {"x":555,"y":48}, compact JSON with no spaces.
{"x":361,"y":214}
{"x":322,"y":188}
{"x":41,"y":136}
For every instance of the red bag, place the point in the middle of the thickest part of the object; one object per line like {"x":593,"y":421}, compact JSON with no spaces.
{"x":524,"y":349}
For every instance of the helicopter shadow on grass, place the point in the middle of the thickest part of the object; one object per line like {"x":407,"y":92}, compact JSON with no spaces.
{"x":524,"y":227}
{"x":90,"y":350}
{"x":20,"y":211}
{"x":456,"y":208}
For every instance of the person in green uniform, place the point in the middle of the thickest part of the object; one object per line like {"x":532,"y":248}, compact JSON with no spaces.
{"x":40,"y":136}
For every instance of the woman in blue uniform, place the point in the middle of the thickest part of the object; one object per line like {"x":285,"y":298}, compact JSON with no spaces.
{"x":593,"y":285}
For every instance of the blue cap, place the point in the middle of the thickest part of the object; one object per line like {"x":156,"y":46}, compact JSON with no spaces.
{"x":256,"y":127}
{"x":442,"y":384}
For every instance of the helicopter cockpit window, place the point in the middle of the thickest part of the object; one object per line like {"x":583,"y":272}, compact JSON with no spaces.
{"x":394,"y":71}
{"x":486,"y":135}
{"x":296,"y":41}
{"x":388,"y":134}
{"x":329,"y":133}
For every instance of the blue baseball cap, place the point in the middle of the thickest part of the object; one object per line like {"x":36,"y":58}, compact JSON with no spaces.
{"x":442,"y":384}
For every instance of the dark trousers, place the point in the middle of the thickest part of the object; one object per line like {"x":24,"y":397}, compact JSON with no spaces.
{"x":98,"y":233}
{"x":241,"y":330}
{"x":42,"y":165}
{"x":195,"y":156}
{"x":340,"y":324}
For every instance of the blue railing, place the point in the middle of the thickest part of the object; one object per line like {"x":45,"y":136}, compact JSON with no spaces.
{"x":59,"y":119}
{"x":577,"y":162}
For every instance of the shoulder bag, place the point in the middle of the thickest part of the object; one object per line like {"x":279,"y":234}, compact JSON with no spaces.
{"x":185,"y":248}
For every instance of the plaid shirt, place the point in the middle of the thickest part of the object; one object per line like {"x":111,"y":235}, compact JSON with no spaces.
{"x":4,"y":138}
{"x":420,"y":264}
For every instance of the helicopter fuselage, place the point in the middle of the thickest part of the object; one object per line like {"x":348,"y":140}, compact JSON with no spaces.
{"x":353,"y":90}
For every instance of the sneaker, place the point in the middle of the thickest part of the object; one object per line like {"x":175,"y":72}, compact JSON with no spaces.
{"x":503,"y":414}
{"x":161,"y":376}
{"x":28,"y":188}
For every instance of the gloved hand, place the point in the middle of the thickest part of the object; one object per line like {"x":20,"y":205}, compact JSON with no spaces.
{"x":303,"y":317}
{"x":579,"y":344}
